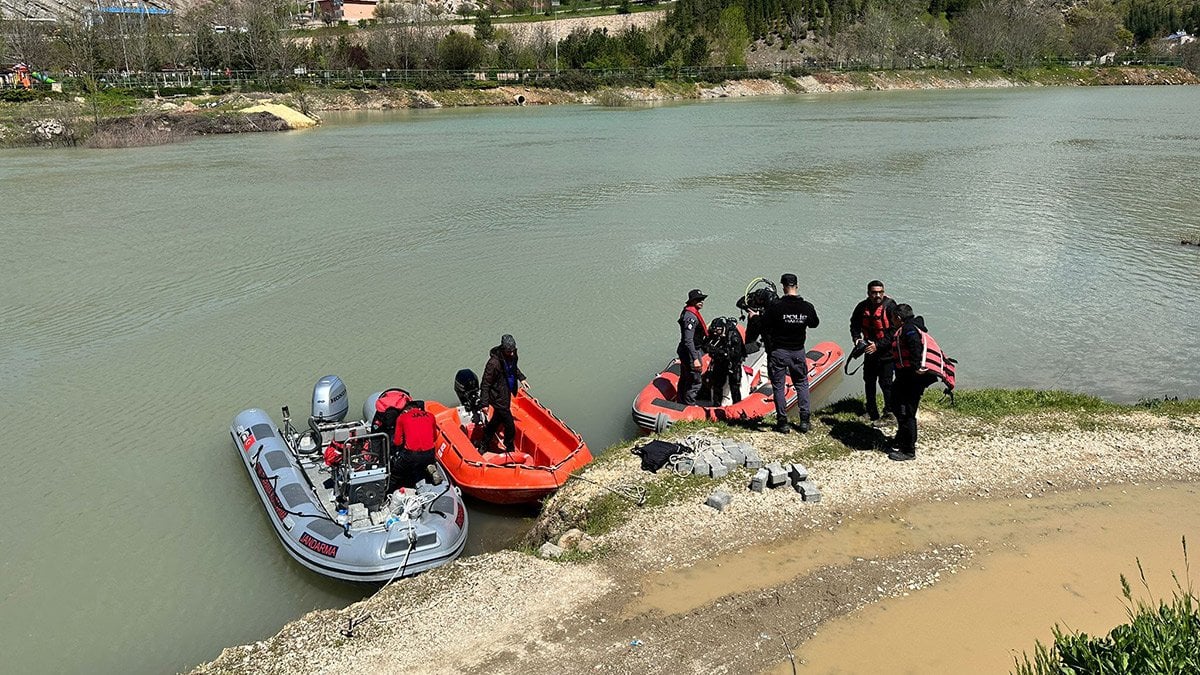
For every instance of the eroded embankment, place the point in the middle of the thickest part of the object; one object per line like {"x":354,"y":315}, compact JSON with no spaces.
{"x":512,"y":612}
{"x":68,"y":123}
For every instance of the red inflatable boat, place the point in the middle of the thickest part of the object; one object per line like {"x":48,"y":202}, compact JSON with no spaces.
{"x":546,"y":452}
{"x":655,"y":408}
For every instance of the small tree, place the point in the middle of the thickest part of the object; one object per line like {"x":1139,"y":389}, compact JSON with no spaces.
{"x":732,"y":36}
{"x":1095,"y":29}
{"x":458,"y":51}
{"x":484,"y":31}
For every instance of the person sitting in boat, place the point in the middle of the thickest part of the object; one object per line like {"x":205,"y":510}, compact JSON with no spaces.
{"x":412,"y":446}
{"x":501,"y":379}
{"x":692,"y":332}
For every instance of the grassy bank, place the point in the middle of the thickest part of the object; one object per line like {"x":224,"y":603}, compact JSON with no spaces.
{"x":68,"y":119}
{"x":841,"y":432}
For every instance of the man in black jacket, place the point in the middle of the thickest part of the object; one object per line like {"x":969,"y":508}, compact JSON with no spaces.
{"x":692,"y":331}
{"x":911,"y":381}
{"x":786,"y":322}
{"x":501,"y":379}
{"x":873,"y":323}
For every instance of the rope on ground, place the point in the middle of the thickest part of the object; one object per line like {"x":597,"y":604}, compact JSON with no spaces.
{"x":628,"y":491}
{"x":411,"y":510}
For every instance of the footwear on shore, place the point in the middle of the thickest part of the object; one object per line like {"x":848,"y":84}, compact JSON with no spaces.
{"x":899,"y":456}
{"x":804,"y":426}
{"x":782,"y":428}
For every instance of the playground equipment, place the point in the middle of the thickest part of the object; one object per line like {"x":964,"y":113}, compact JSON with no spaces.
{"x":24,"y":76}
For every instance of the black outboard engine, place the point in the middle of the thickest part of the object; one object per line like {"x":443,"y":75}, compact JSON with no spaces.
{"x":466,"y":387}
{"x":330,"y":402}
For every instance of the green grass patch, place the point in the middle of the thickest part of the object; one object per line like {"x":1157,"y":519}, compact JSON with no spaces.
{"x":991,"y":404}
{"x":997,"y":403}
{"x":605,"y":513}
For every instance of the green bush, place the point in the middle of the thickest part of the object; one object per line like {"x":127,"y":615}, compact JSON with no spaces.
{"x":176,"y":91}
{"x":20,"y":95}
{"x":437,"y":82}
{"x":1158,"y":639}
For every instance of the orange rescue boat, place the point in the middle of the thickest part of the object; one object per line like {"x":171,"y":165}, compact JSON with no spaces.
{"x":546,"y":449}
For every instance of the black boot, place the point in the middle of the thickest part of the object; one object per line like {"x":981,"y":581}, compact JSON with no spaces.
{"x":805,"y":426}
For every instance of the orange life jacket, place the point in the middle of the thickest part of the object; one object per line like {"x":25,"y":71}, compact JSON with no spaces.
{"x":876,"y":321}
{"x":931,"y":358}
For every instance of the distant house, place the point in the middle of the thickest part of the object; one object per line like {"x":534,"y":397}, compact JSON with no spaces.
{"x":1179,"y":38}
{"x":354,"y":10}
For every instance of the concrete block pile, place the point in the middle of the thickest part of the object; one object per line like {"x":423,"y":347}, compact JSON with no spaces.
{"x":716,"y":458}
{"x":775,"y":474}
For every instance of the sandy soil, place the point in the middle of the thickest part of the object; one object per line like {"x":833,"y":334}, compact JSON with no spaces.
{"x":513,"y":612}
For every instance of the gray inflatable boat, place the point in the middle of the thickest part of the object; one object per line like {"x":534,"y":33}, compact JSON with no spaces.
{"x":341,"y":520}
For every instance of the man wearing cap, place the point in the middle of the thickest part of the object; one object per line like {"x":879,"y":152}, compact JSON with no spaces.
{"x":786,"y":322}
{"x":501,"y":378}
{"x":688,"y":350}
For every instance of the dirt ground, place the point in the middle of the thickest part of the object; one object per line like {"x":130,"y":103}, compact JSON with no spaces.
{"x":636,"y":604}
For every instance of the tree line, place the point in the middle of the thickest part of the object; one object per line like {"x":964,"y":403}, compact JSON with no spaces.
{"x":258,"y":35}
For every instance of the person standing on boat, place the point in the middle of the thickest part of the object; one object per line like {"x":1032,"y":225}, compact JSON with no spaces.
{"x":873,"y":323}
{"x":785,"y":323}
{"x":688,"y":351}
{"x":912,"y":378}
{"x":501,"y":379}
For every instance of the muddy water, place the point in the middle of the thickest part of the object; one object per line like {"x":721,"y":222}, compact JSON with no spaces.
{"x":1053,"y":559}
{"x":1056,"y":560}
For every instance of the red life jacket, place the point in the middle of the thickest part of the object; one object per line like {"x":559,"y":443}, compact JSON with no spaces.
{"x":931,"y":358}
{"x":703,"y":326}
{"x":416,"y":431}
{"x":875,"y":321}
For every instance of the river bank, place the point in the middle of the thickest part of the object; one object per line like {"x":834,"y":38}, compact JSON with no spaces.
{"x":614,"y":608}
{"x":155,"y":121}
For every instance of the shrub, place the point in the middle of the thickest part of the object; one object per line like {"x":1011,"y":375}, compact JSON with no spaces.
{"x":19,"y":95}
{"x":1158,"y":639}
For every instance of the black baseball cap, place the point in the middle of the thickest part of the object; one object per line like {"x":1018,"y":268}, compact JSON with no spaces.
{"x":695,"y":295}
{"x":788,"y":280}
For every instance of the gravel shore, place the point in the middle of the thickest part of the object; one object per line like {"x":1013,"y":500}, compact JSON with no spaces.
{"x":512,"y":612}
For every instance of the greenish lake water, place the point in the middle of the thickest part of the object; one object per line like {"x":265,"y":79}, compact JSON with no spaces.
{"x":150,"y":294}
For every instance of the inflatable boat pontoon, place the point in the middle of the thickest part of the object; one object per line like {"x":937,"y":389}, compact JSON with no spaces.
{"x":655,"y":408}
{"x":341,"y":520}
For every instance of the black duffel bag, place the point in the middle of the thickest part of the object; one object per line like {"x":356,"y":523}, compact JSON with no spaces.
{"x":656,"y":454}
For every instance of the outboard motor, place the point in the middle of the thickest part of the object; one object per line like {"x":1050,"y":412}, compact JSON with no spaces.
{"x":330,"y":402}
{"x":466,"y":387}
